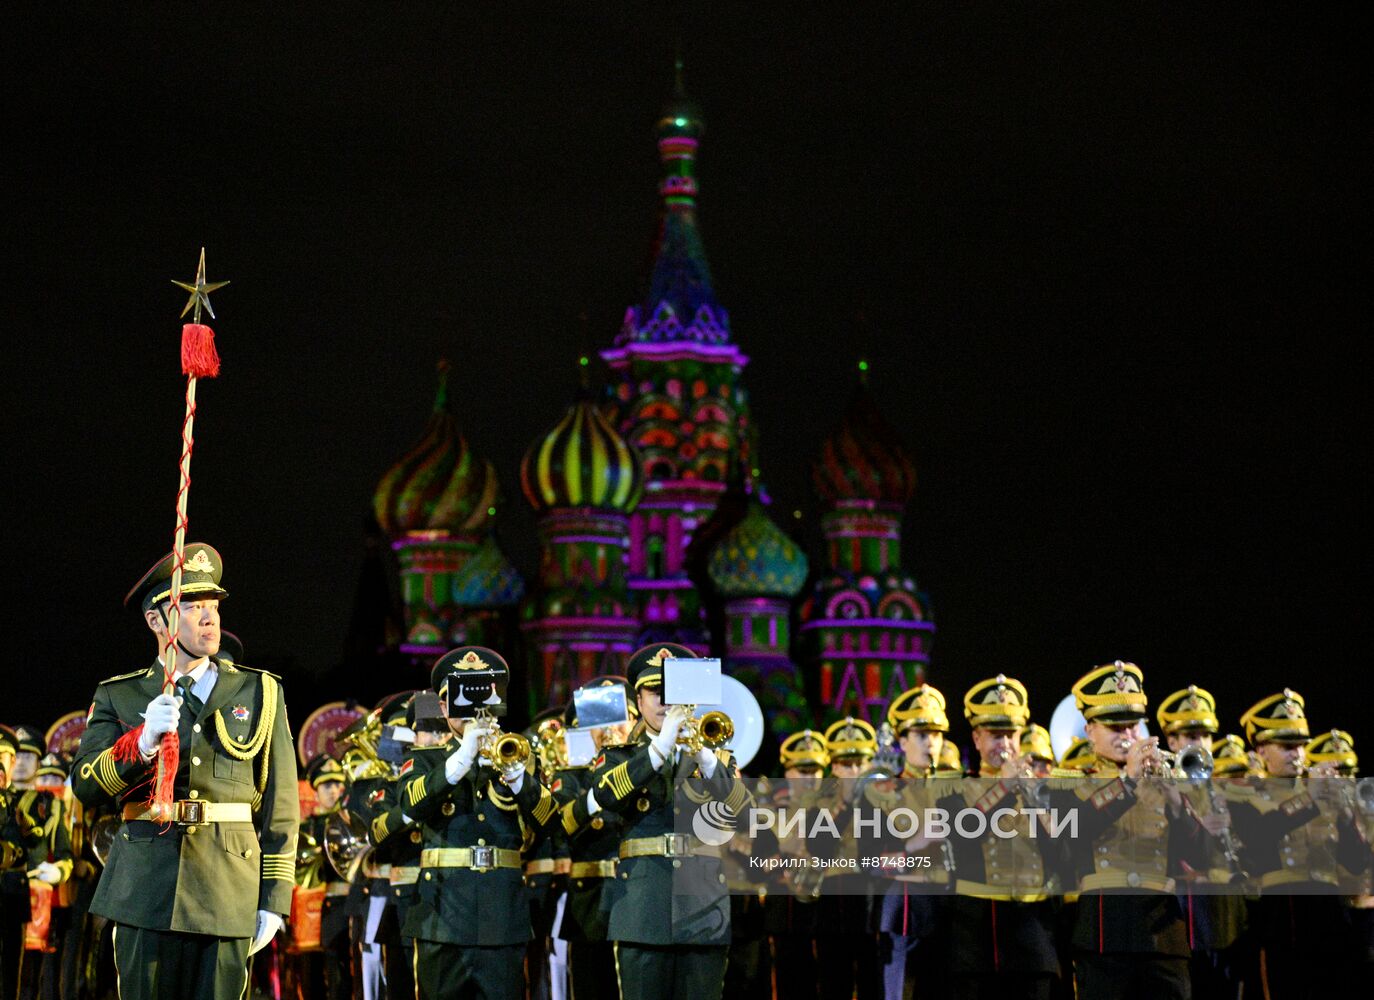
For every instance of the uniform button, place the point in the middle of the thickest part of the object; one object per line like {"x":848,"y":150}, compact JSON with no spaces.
{"x":429,"y":876}
{"x":622,"y":874}
{"x":195,"y":761}
{"x":479,"y":795}
{"x":190,"y":830}
{"x":481,"y":817}
{"x":677,"y":811}
{"x":722,"y":879}
{"x":447,"y":808}
{"x":196,"y":728}
{"x":677,"y":863}
{"x":248,"y":853}
{"x":578,"y":883}
{"x":194,"y":794}
{"x":1133,"y":880}
{"x":481,"y":841}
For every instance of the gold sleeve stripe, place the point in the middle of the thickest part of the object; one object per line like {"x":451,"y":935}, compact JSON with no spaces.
{"x":379,"y":828}
{"x":415,"y":791}
{"x":107,"y":775}
{"x":570,"y":824}
{"x":737,"y":798}
{"x":617,"y":779}
{"x":545,"y":808}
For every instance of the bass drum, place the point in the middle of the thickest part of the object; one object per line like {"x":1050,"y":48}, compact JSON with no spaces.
{"x":1066,"y":725}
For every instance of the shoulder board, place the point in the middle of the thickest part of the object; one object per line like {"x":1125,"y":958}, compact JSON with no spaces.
{"x":1066,"y":772}
{"x":231,"y":667}
{"x":129,"y":676}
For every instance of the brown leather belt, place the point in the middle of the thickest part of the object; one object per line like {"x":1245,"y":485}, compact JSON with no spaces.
{"x":479,"y":858}
{"x":592,"y":869}
{"x":668,"y":845}
{"x":193,"y":812}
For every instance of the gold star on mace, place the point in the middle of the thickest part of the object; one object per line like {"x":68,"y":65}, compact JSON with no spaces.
{"x":200,"y":291}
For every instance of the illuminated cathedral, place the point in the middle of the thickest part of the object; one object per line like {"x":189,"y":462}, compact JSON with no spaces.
{"x":652,"y":521}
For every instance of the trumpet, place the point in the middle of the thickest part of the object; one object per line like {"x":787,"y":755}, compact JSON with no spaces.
{"x":713,"y":730}
{"x":502,"y":749}
{"x":1192,"y":764}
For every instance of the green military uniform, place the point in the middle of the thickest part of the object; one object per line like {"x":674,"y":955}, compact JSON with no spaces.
{"x":669,"y":911}
{"x":593,"y":845}
{"x":325,"y":972}
{"x":14,"y":885}
{"x":185,"y":896}
{"x":470,"y":918}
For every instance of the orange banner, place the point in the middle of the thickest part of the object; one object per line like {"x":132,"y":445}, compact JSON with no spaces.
{"x":40,"y":913}
{"x":306,"y":907}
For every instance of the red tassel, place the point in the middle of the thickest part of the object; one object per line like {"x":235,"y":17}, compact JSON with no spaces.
{"x":169,"y":759}
{"x":199,"y":359}
{"x":126,"y":747}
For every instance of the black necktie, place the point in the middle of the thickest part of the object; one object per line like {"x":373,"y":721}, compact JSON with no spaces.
{"x":189,"y":701}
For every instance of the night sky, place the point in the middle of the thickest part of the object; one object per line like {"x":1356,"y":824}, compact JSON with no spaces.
{"x":1108,"y":265}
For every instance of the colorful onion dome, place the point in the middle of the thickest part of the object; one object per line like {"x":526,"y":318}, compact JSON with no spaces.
{"x":582,"y":462}
{"x":755,"y":559}
{"x":439,"y":485}
{"x":865,"y":458}
{"x":488,"y":579}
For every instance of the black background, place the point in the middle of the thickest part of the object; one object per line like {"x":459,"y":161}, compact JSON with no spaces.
{"x":1112,"y":264}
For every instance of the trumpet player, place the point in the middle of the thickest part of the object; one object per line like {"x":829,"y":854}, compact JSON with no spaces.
{"x":593,"y":847}
{"x":1223,"y":953}
{"x":1134,"y":835}
{"x":669,"y":911}
{"x":319,"y":964}
{"x":473,"y":807}
{"x":1297,"y":841}
{"x":1001,"y":918}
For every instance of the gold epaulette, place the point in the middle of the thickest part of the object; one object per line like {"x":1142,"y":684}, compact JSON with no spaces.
{"x":253,"y":670}
{"x":146,"y":671}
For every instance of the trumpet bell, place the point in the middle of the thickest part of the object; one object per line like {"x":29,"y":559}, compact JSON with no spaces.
{"x":508,"y":749}
{"x":103,"y":835}
{"x":346,"y":842}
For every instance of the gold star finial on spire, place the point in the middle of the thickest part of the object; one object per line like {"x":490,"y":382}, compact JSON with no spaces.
{"x":200,"y":291}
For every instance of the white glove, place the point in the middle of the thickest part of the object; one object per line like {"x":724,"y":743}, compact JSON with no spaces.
{"x":513,"y":776}
{"x":707,"y":761}
{"x":667,"y":736}
{"x":268,"y":925}
{"x":460,"y":761}
{"x":162,"y":716}
{"x":593,"y":806}
{"x":48,"y":872}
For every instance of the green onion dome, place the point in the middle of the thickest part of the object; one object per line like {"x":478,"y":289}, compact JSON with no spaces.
{"x":755,"y":559}
{"x":582,"y":462}
{"x":865,"y":459}
{"x":438,"y":485}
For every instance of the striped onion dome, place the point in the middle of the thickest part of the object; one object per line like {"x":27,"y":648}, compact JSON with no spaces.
{"x":438,"y":485}
{"x":755,"y":559}
{"x":865,"y":458}
{"x":582,"y":462}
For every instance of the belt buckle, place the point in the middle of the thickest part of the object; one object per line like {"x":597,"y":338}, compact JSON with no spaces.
{"x":483,"y":857}
{"x":676,"y":845}
{"x":191,"y":812}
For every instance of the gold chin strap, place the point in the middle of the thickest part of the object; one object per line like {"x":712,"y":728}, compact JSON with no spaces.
{"x":260,"y":740}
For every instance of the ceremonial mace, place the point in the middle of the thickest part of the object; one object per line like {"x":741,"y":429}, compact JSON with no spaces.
{"x":199,"y":360}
